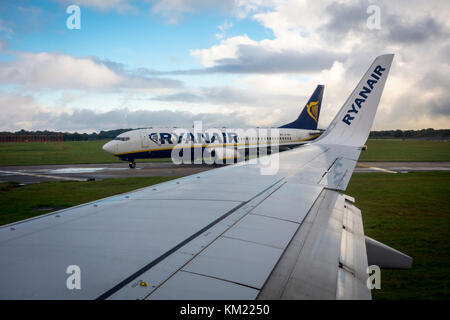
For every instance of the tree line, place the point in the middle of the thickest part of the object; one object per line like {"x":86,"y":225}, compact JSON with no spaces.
{"x":68,"y":136}
{"x":411,"y":134}
{"x":110,"y":134}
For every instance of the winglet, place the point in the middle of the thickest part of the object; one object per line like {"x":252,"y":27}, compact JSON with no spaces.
{"x":352,"y":124}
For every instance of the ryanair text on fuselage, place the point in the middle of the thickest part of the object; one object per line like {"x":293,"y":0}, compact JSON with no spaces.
{"x":171,"y":138}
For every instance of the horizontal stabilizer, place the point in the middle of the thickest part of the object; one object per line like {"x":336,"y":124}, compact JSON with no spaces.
{"x":386,"y":257}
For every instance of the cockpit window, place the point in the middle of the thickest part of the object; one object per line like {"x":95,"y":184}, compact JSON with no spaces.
{"x":122,"y":138}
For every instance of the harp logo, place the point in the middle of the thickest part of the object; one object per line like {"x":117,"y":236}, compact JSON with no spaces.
{"x":313,"y":109}
{"x":154,"y":137}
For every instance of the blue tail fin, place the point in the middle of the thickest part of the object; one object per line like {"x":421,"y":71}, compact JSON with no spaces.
{"x":309,"y":117}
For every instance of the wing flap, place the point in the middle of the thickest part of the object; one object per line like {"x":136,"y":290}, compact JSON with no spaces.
{"x":189,"y":286}
{"x":352,"y":272}
{"x":237,"y":261}
{"x":325,"y":259}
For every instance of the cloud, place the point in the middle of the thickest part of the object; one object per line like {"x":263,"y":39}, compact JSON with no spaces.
{"x":23,"y":112}
{"x":310,"y":42}
{"x":18,"y":18}
{"x":5,"y":28}
{"x":86,"y":120}
{"x":56,"y":71}
{"x":103,"y":5}
{"x":345,"y":17}
{"x":350,"y":20}
{"x":255,"y":59}
{"x":124,"y":118}
{"x":173,"y":10}
{"x":44,"y":70}
{"x":335,"y":34}
{"x":239,"y":56}
{"x":417,"y":31}
{"x":229,"y":95}
{"x":226,"y":49}
{"x":223,"y":29}
{"x":17,"y":112}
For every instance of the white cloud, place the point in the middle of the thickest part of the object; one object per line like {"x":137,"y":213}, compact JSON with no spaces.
{"x":5,"y":29}
{"x":44,"y":70}
{"x":223,"y":29}
{"x":313,"y":42}
{"x":104,"y":5}
{"x":23,"y":112}
{"x":173,"y":10}
{"x":56,"y":71}
{"x":336,"y":32}
{"x":225,"y":50}
{"x":17,"y":112}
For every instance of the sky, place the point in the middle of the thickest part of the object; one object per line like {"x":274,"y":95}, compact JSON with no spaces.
{"x":233,"y":63}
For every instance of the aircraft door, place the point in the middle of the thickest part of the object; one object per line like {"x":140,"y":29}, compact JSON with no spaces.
{"x":145,"y":140}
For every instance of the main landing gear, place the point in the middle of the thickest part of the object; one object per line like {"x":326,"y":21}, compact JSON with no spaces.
{"x":132,"y":164}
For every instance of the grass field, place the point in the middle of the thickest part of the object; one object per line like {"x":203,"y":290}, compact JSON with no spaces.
{"x":78,"y":152}
{"x":18,"y":203}
{"x":409,"y":212}
{"x":71,"y":152}
{"x":406,"y":150}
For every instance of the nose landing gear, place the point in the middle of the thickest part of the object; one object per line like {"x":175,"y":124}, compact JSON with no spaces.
{"x":132,"y":164}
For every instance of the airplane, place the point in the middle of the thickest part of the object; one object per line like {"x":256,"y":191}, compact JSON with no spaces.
{"x":160,"y":142}
{"x":230,"y":233}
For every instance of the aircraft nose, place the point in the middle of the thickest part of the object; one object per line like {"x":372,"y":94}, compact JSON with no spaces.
{"x":108,"y":147}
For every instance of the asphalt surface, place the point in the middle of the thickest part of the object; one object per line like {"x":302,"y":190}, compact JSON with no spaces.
{"x":84,"y":172}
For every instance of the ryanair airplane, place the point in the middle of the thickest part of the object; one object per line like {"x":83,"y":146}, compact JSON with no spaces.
{"x":220,"y":144}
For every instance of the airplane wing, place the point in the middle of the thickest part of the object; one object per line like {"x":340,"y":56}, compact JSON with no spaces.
{"x":244,"y":231}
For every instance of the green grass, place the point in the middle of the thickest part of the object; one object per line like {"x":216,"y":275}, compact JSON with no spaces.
{"x":71,"y":152}
{"x":406,"y":150}
{"x":18,"y":203}
{"x":79,"y":152}
{"x":409,"y":212}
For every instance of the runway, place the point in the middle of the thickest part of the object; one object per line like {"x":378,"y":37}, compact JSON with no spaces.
{"x":86,"y":172}
{"x":401,"y":167}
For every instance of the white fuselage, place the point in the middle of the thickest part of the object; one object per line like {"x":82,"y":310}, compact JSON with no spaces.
{"x":159,"y":142}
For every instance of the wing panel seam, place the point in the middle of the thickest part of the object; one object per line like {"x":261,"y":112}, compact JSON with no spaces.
{"x":147,"y":267}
